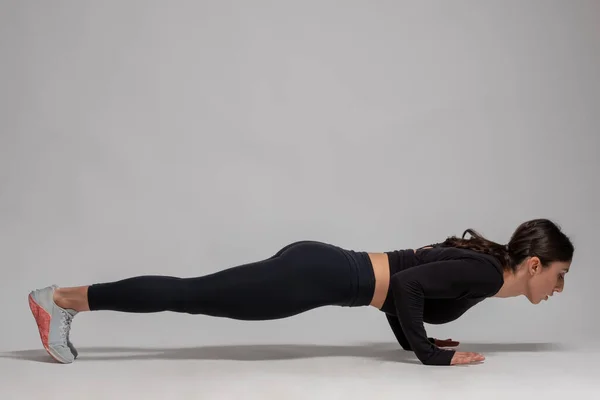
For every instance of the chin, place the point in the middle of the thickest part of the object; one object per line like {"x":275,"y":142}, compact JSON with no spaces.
{"x":532,"y":301}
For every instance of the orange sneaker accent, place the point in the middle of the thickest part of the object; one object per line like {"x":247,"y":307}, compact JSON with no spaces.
{"x":42,"y":318}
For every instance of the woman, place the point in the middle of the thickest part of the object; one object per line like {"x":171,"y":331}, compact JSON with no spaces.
{"x":434,"y":284}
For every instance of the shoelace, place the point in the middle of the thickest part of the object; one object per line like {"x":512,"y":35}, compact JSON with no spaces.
{"x":65,"y":325}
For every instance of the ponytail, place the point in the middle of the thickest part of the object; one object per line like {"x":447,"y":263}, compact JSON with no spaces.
{"x":480,"y":244}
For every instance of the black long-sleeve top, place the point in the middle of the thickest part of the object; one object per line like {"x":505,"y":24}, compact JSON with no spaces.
{"x":436,"y":285}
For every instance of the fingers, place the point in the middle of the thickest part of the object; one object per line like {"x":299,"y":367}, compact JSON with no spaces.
{"x":466,"y":357}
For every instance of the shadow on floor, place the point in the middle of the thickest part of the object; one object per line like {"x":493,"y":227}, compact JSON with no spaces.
{"x":261,"y":352}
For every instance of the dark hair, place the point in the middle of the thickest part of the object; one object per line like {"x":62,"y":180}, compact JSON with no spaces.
{"x":537,"y":237}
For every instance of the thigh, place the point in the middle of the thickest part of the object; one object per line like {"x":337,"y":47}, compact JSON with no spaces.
{"x":302,"y":276}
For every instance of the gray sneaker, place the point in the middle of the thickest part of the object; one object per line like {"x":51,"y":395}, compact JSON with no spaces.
{"x":54,"y":324}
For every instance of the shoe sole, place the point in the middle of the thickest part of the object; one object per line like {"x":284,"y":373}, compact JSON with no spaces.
{"x":42,"y":319}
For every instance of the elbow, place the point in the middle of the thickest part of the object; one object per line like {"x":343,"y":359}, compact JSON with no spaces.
{"x":396,"y":283}
{"x":402,"y":287}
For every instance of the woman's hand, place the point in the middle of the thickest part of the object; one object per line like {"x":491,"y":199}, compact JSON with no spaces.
{"x":462,"y":357}
{"x":445,"y":343}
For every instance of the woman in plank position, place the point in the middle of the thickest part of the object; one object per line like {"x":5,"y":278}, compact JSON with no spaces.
{"x":434,"y":284}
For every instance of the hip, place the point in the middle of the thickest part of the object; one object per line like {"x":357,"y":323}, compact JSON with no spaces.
{"x":334,"y":267}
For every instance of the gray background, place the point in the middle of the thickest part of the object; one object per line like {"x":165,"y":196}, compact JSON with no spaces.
{"x":183,"y":137}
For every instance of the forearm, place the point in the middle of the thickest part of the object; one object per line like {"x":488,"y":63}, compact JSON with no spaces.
{"x":399,"y":334}
{"x":408,"y":299}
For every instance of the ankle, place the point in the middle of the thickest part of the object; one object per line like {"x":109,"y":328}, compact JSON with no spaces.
{"x":60,"y":299}
{"x":72,"y":298}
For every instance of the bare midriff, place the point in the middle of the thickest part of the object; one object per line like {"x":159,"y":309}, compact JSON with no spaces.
{"x":381,"y":269}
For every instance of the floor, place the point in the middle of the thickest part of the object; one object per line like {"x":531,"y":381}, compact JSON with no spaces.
{"x":288,"y":371}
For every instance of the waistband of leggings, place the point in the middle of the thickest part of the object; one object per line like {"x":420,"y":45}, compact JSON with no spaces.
{"x":364,"y":284}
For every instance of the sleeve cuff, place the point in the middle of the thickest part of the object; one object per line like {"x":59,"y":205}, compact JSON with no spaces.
{"x":443,"y":357}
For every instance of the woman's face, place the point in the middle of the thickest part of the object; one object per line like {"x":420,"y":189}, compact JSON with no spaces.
{"x":543,"y":282}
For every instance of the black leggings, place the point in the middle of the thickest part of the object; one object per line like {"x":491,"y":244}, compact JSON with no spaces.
{"x":301,"y":276}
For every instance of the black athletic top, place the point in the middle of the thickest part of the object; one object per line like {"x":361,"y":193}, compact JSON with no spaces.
{"x":436,"y":286}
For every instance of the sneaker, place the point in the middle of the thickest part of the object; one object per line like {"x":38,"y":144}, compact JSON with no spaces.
{"x":54,"y":324}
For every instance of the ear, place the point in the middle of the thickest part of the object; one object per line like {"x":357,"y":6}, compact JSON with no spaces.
{"x":534,"y":265}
